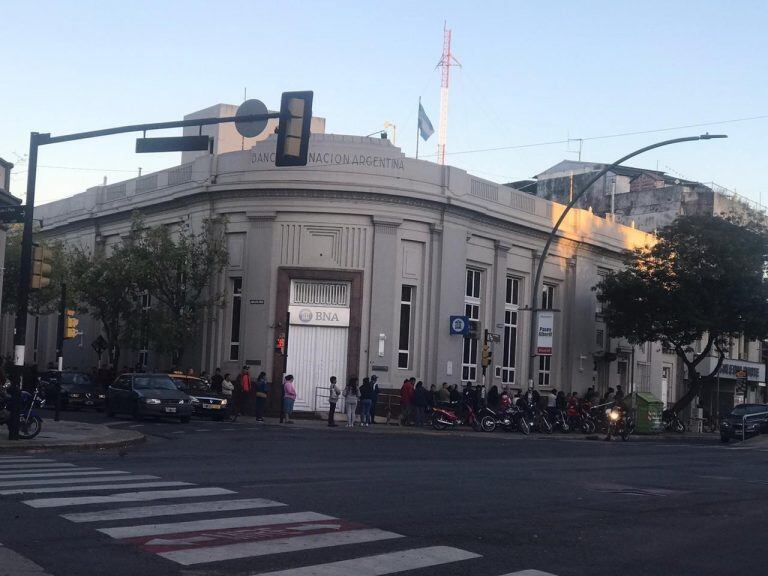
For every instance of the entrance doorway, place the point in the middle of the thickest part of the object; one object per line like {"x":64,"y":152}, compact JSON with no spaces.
{"x":318,"y":339}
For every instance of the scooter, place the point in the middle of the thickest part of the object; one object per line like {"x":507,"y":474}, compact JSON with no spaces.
{"x":620,"y":423}
{"x":442,"y":417}
{"x":672,"y":422}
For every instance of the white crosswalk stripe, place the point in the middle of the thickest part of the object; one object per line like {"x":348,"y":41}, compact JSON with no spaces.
{"x":68,"y":473}
{"x":382,"y":564}
{"x":34,"y":466}
{"x":276,"y":546}
{"x":530,"y":573}
{"x":62,"y":481}
{"x":22,"y":459}
{"x":93,"y":488}
{"x":126,"y":497}
{"x":171,"y":510}
{"x":213,"y":524}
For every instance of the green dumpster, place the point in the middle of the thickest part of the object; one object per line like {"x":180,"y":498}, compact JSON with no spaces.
{"x":647,"y":412}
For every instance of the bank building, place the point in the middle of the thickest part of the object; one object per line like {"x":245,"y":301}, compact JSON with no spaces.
{"x":355,"y":264}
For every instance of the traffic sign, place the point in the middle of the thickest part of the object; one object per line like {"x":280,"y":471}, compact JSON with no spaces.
{"x":459,"y":325}
{"x":99,"y":345}
{"x":10,"y":214}
{"x":254,"y":127}
{"x":492,"y":337}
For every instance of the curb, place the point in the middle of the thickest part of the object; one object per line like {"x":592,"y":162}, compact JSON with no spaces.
{"x":23,"y":445}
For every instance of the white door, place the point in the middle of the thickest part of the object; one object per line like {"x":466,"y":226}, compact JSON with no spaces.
{"x":315,"y":353}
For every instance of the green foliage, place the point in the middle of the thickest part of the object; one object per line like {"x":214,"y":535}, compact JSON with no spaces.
{"x":704,"y":278}
{"x":173,"y":266}
{"x":176,"y":267}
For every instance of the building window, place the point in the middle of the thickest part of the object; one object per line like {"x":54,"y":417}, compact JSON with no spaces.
{"x":472,"y":302}
{"x":545,"y":370}
{"x":406,"y":322}
{"x":237,"y":297}
{"x":600,"y":338}
{"x":547,"y":297}
{"x":146,"y":306}
{"x":511,"y":305}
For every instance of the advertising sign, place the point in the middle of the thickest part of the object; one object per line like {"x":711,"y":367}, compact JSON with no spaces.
{"x":459,"y":324}
{"x":544,"y":333}
{"x":319,"y":316}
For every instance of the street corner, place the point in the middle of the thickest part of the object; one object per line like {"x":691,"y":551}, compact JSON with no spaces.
{"x":66,"y":435}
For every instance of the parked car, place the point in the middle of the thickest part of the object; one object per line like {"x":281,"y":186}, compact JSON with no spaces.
{"x":756,"y":422}
{"x":205,"y":401}
{"x":78,"y":390}
{"x":143,"y":395}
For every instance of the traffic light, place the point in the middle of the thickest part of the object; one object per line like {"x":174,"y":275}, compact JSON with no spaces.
{"x":70,"y":328}
{"x":487,"y":355}
{"x":293,"y":129}
{"x":40,"y":276}
{"x":280,"y":344}
{"x":474,"y":330}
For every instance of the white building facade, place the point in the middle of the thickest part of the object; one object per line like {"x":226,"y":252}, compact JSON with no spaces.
{"x":361,"y":258}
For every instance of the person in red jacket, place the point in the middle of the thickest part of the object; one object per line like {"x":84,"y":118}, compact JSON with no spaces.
{"x":244,"y":388}
{"x":406,"y":400}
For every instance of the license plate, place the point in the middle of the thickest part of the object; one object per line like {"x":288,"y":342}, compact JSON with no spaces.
{"x":212,"y":406}
{"x":170,"y":410}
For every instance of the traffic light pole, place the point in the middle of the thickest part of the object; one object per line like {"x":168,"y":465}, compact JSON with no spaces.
{"x":36,"y":140}
{"x":25,"y":270}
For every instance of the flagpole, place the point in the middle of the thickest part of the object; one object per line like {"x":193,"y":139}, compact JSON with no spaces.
{"x":417,"y":130}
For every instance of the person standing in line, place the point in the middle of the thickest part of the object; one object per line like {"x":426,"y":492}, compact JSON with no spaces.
{"x":406,"y":396}
{"x":493,"y":397}
{"x":216,"y":381}
{"x":366,"y":391}
{"x":333,"y":398}
{"x":444,"y":394}
{"x":454,"y":396}
{"x":289,"y":397}
{"x":351,"y":396}
{"x":262,"y":388}
{"x":419,"y":403}
{"x":244,"y":390}
{"x":227,"y":388}
{"x":431,"y":398}
{"x":374,"y":397}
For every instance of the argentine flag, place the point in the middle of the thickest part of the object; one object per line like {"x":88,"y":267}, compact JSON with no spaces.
{"x":425,"y":126}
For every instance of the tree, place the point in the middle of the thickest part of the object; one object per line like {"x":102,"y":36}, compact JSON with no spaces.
{"x":704,"y":279}
{"x":106,"y":287}
{"x":176,"y":267}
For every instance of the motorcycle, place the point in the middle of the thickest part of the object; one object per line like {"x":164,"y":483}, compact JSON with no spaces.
{"x":510,"y":419}
{"x":671,"y":422}
{"x":620,"y":423}
{"x":560,"y":420}
{"x":30,"y":422}
{"x":580,"y":419}
{"x":538,"y":419}
{"x":444,"y":417}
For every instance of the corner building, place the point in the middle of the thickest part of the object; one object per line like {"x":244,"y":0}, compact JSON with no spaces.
{"x":371,"y":253}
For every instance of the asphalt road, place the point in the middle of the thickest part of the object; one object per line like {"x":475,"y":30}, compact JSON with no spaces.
{"x":270,"y":498}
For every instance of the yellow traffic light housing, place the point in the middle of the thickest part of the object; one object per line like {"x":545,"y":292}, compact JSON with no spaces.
{"x":486,"y":357}
{"x":70,"y":328}
{"x":40,"y":277}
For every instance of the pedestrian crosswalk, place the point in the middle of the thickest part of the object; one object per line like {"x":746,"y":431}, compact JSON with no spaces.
{"x":216,"y":525}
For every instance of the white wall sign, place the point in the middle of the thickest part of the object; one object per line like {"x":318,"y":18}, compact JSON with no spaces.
{"x":544,"y":333}
{"x":319,"y":316}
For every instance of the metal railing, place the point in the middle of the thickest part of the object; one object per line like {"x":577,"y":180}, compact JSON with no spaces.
{"x":744,"y":423}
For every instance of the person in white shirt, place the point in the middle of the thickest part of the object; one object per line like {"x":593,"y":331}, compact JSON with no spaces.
{"x":227,"y":388}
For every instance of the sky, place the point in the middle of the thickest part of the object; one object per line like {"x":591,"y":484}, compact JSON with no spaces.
{"x":533,"y":76}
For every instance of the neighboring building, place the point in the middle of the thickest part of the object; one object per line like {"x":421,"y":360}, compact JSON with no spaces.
{"x":225,"y":135}
{"x":371,"y":253}
{"x":647,"y":199}
{"x":6,"y":199}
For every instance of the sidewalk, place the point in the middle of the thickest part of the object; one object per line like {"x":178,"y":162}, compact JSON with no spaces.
{"x":381,"y":428}
{"x":71,"y":435}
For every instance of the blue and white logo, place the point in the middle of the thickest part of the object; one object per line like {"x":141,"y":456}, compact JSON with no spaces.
{"x":459,"y":324}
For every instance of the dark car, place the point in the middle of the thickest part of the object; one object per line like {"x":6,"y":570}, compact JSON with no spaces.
{"x":205,"y":401}
{"x":78,"y":390}
{"x":756,"y":422}
{"x":143,"y":395}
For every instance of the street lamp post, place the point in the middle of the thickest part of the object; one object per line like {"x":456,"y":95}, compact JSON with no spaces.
{"x":542,"y":258}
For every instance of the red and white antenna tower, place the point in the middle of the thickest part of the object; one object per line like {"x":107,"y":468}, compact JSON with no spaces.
{"x":446,"y":61}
